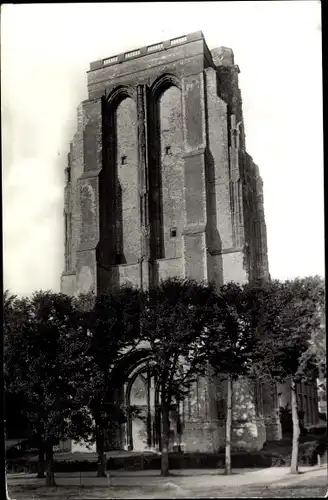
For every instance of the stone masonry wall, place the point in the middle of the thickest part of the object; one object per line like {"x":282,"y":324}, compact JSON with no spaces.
{"x":205,"y":412}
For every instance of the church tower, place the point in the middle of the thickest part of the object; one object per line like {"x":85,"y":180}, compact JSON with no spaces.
{"x":158,"y":181}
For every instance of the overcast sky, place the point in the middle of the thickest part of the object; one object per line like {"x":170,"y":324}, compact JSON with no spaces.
{"x":45,"y":53}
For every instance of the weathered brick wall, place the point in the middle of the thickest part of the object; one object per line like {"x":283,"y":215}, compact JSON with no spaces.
{"x":203,"y":436}
{"x":129,"y":274}
{"x":234,"y":267}
{"x":169,"y":268}
{"x":249,"y":435}
{"x":205,"y":410}
{"x":68,"y":283}
{"x":114,"y":276}
{"x":215,"y":269}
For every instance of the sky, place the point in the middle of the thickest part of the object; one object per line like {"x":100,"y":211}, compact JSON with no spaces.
{"x":45,"y":53}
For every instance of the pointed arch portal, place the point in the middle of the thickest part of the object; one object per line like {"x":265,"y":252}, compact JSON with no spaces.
{"x":143,"y":431}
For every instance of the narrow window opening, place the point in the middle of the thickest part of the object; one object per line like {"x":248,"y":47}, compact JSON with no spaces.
{"x":167,"y":150}
{"x":123,"y":160}
{"x":68,"y":175}
{"x":173,"y":232}
{"x":235,"y":138}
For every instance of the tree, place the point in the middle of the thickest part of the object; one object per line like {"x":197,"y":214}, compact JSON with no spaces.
{"x":15,"y":313}
{"x":44,"y":361}
{"x":15,"y":423}
{"x":111,"y":323}
{"x":230,"y":344}
{"x":287,"y":322}
{"x":317,"y":347}
{"x":173,"y":322}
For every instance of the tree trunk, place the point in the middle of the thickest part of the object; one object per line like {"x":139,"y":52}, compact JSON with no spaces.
{"x":50,"y":477}
{"x":228,"y":428}
{"x":41,"y":464}
{"x":101,"y":471}
{"x":296,"y":429}
{"x":165,"y":440}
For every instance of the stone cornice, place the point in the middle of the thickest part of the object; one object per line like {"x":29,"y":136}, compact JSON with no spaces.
{"x":86,"y":247}
{"x":194,"y":229}
{"x":69,"y":273}
{"x":226,"y":251}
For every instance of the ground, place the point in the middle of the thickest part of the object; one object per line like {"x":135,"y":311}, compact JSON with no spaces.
{"x":270,"y":482}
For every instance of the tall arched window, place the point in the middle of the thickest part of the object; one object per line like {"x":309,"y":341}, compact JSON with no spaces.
{"x":127,"y":200}
{"x":166,"y":170}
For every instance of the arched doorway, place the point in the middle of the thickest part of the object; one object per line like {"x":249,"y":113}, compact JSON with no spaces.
{"x":143,"y":431}
{"x":140,"y":394}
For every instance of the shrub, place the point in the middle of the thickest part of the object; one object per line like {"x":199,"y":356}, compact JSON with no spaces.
{"x":274,"y":455}
{"x":317,"y":431}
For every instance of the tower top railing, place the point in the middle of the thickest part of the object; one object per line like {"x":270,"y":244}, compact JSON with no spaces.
{"x":149,"y":49}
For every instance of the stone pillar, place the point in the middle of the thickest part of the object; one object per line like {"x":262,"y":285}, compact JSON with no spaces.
{"x":226,"y":242}
{"x":88,"y":191}
{"x":271,"y":412}
{"x":75,"y":164}
{"x":194,"y":128}
{"x":145,"y":274}
{"x":236,"y":195}
{"x":218,"y":149}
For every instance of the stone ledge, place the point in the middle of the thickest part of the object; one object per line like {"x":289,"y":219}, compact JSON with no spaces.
{"x":89,"y":174}
{"x":69,"y":273}
{"x":194,"y":229}
{"x":86,"y":247}
{"x":225,"y":251}
{"x":195,"y":152}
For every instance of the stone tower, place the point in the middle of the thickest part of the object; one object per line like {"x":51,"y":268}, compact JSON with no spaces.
{"x":158,"y":181}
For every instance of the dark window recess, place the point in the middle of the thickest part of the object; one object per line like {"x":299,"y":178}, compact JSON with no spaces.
{"x":68,"y":174}
{"x":118,"y":258}
{"x":235,"y":138}
{"x":123,"y":160}
{"x":167,"y":150}
{"x":173,"y":232}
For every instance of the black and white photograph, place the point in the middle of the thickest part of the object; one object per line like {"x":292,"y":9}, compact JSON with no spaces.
{"x":164,"y":321}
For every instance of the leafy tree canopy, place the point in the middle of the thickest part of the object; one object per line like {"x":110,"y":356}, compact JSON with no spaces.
{"x":43,"y":362}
